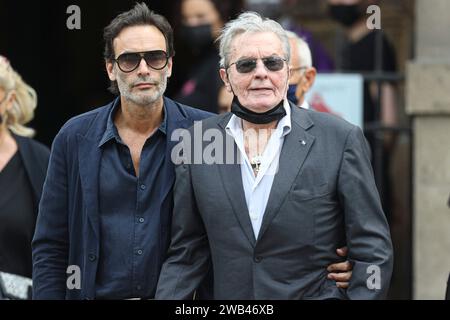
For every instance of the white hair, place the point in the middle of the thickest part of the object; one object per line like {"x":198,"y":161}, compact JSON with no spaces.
{"x":249,"y":22}
{"x":304,"y":53}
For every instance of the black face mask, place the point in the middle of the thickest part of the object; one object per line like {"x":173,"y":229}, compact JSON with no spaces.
{"x":345,"y":14}
{"x":274,"y":114}
{"x":197,"y":38}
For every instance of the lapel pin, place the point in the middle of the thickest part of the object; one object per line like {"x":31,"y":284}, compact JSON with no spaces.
{"x":303,"y":142}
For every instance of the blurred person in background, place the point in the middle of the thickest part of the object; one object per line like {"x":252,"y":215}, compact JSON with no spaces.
{"x":23,"y":166}
{"x":286,"y":13}
{"x":303,"y":73}
{"x":359,"y":54}
{"x":201,"y":22}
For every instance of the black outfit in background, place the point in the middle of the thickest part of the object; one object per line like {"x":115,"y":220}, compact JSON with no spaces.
{"x":360,"y":56}
{"x":201,"y":89}
{"x":17,"y":218}
{"x":21,"y":183}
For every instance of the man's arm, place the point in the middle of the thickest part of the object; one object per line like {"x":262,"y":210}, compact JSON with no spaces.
{"x":50,"y":242}
{"x":367,"y":232}
{"x":188,"y":258}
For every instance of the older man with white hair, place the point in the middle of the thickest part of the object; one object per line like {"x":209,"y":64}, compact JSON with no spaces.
{"x":299,"y":185}
{"x":303,"y":74}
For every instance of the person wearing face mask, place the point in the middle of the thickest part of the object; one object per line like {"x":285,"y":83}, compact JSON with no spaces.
{"x":303,"y":73}
{"x":359,"y":53}
{"x":201,"y":21}
{"x":285,"y":188}
{"x":23,"y":166}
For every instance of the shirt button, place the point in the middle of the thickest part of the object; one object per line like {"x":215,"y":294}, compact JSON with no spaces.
{"x":143,"y":186}
{"x":258,"y":259}
{"x":253,"y":216}
{"x":141,"y":220}
{"x":139,"y":252}
{"x":92,"y":257}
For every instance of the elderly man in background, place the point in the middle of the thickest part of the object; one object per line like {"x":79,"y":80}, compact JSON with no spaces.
{"x":303,"y":73}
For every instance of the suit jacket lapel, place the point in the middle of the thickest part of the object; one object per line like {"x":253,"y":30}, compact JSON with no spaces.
{"x":232,"y":182}
{"x":296,"y":147}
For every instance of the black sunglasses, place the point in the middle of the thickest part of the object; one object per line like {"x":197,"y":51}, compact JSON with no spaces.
{"x":129,"y":61}
{"x":272,"y":63}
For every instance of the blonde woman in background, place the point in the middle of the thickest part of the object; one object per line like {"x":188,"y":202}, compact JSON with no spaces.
{"x":23,"y":166}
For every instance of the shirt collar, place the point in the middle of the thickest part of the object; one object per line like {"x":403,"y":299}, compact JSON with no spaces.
{"x":285,"y":124}
{"x":305,"y":104}
{"x":111,"y":129}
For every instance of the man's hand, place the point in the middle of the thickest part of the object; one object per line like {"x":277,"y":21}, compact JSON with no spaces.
{"x":341,"y":272}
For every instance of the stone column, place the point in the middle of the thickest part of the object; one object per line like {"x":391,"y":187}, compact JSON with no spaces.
{"x":428,"y":103}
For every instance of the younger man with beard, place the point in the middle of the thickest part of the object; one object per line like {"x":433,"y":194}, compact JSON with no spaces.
{"x":107,"y":199}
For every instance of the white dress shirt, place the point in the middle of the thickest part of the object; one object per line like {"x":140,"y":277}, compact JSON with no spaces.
{"x":305,"y":104}
{"x":257,"y":189}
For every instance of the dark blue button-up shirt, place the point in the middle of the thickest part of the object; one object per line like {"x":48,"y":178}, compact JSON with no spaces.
{"x":129,"y":215}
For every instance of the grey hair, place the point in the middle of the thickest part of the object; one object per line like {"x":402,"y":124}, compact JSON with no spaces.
{"x":249,"y":22}
{"x":304,"y":52}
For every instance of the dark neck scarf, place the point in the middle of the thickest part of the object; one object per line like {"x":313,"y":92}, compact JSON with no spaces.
{"x":274,"y":114}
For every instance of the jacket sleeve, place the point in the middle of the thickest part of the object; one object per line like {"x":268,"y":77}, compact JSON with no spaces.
{"x":50,"y":241}
{"x":188,"y":258}
{"x":367,"y":230}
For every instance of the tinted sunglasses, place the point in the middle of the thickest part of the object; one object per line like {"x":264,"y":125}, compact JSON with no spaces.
{"x":272,"y":63}
{"x":129,"y":61}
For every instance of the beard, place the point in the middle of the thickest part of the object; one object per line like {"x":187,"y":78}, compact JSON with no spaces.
{"x":144,"y":98}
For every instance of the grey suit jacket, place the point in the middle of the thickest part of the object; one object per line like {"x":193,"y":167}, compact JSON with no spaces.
{"x":323,"y":196}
